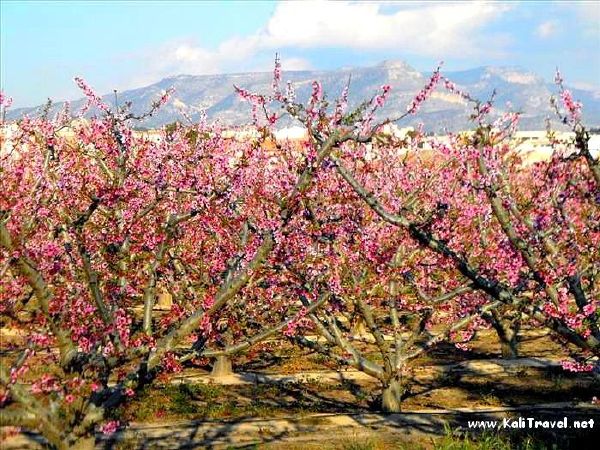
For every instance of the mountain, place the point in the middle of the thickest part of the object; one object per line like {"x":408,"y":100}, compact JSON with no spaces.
{"x":525,"y":91}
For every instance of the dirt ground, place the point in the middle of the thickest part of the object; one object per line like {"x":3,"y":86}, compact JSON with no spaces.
{"x":280,"y":409}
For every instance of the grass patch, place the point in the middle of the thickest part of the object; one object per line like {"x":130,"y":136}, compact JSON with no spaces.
{"x":210,"y":401}
{"x":489,"y":441}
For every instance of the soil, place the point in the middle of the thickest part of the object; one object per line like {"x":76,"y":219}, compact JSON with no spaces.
{"x":446,"y":384}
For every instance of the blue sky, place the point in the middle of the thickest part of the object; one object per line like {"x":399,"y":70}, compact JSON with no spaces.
{"x":123,"y":45}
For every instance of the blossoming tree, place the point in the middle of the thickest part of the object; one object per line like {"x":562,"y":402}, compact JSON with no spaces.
{"x":464,"y":231}
{"x":97,"y":222}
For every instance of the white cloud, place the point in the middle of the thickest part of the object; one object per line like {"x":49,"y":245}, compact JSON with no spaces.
{"x":429,"y":29}
{"x":188,"y":57}
{"x":448,"y":30}
{"x":586,"y":86}
{"x":546,"y":29}
{"x":587,"y":10}
{"x":295,"y":64}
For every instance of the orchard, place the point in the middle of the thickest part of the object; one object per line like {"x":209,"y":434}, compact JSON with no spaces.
{"x":364,"y":248}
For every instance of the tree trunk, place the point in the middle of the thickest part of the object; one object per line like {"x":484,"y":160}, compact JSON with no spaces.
{"x":391,"y":399}
{"x":507,"y":330}
{"x":222,"y":367}
{"x":359,"y":329}
{"x":509,"y":345}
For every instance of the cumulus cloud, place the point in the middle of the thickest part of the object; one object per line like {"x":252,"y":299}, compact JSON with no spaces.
{"x":546,"y":29}
{"x":586,"y":86}
{"x":190,"y":57}
{"x":427,"y":29}
{"x":295,"y":64}
{"x":449,"y":30}
{"x":588,"y":11}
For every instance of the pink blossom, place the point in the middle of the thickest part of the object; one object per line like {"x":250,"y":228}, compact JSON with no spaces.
{"x":425,"y":92}
{"x":5,"y":101}
{"x":341,"y":105}
{"x":573,"y":108}
{"x":93,"y":99}
{"x":574,"y":366}
{"x":317,"y":92}
{"x":276,"y":78}
{"x":170,"y":364}
{"x":15,"y":374}
{"x":47,"y":383}
{"x":165,"y":97}
{"x":590,"y":309}
{"x":109,"y":427}
{"x":290,"y":92}
{"x":292,"y":325}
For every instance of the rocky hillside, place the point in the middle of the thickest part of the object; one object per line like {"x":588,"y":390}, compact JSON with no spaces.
{"x":525,"y":91}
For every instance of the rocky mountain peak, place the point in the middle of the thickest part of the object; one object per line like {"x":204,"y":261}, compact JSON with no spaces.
{"x":525,"y":91}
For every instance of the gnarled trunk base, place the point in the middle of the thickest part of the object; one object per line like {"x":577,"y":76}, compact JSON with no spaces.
{"x":391,"y":399}
{"x":509,"y":348}
{"x":507,"y":330}
{"x":509,"y":341}
{"x":222,"y":367}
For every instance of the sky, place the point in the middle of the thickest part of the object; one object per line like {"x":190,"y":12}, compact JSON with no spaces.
{"x":124,"y":45}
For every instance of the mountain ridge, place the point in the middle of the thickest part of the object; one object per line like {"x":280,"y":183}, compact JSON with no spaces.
{"x":526,"y":91}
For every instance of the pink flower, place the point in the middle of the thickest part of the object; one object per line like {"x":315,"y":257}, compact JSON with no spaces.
{"x":123,"y":324}
{"x":573,"y":108}
{"x":4,"y":396}
{"x":109,"y":427}
{"x":47,"y":383}
{"x":276,"y":78}
{"x":317,"y":92}
{"x":425,"y":92}
{"x":165,"y":97}
{"x":461,"y":346}
{"x":574,"y":366}
{"x":292,"y":325}
{"x":15,"y":374}
{"x":341,"y":105}
{"x":589,"y":309}
{"x":290,"y":92}
{"x":5,"y":101}
{"x":93,"y":99}
{"x":170,"y":364}
{"x":209,"y":300}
